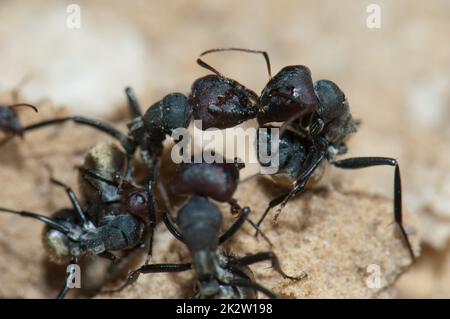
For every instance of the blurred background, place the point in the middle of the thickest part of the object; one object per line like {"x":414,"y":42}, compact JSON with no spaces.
{"x":392,"y":60}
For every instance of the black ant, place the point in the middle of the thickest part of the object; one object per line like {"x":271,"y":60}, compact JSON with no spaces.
{"x":10,"y":122}
{"x":217,"y":180}
{"x":229,"y":105}
{"x":218,"y":275}
{"x":217,"y":101}
{"x":316,"y":124}
{"x":114,"y":225}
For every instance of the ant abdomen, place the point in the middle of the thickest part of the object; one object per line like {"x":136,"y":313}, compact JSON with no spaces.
{"x":105,"y":160}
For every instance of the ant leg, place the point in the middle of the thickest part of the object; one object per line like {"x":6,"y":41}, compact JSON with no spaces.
{"x":363,"y":162}
{"x":151,"y":269}
{"x":273,"y":203}
{"x":25,"y":104}
{"x":172,"y":227}
{"x":133,"y":103}
{"x":312,"y":163}
{"x":165,"y":196}
{"x":49,"y":221}
{"x":152,"y":209}
{"x":110,"y":256}
{"x":151,"y":234}
{"x":93,"y":175}
{"x":66,"y":287}
{"x":255,"y":286}
{"x":73,"y":198}
{"x":236,"y":225}
{"x":126,"y":142}
{"x":235,"y":208}
{"x":248,"y":260}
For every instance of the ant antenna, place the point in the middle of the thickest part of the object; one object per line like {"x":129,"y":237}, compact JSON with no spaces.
{"x":209,"y":67}
{"x":49,"y":221}
{"x":25,"y":104}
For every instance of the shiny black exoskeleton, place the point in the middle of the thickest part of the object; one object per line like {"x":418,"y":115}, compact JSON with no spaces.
{"x":317,"y":124}
{"x":218,"y":275}
{"x":71,"y":234}
{"x":217,"y":181}
{"x":318,"y":115}
{"x":10,"y":123}
{"x":116,"y":216}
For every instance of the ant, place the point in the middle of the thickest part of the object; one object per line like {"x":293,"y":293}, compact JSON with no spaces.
{"x":10,"y":122}
{"x":215,"y":100}
{"x":217,"y":180}
{"x":316,"y":125}
{"x":218,"y":275}
{"x":71,"y":233}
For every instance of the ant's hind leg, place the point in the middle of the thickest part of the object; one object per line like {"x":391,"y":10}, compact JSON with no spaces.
{"x":363,"y":162}
{"x":248,"y":260}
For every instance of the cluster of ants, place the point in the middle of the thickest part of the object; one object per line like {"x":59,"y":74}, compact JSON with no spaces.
{"x":315,"y":124}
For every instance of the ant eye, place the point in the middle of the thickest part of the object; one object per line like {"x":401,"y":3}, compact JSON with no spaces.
{"x":137,"y":200}
{"x":229,"y":94}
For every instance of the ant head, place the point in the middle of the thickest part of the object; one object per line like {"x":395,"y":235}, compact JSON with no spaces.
{"x":221,"y":103}
{"x":289,"y":94}
{"x":58,"y":246}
